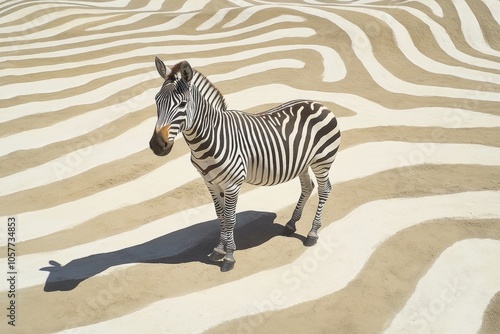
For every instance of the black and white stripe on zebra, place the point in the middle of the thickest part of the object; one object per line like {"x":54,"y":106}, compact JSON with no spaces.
{"x":230,"y":147}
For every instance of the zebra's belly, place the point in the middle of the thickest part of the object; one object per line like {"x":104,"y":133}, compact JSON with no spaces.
{"x":270,"y":176}
{"x":231,"y":171}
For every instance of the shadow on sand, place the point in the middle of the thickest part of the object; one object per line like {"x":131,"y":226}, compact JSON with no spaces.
{"x":190,"y":244}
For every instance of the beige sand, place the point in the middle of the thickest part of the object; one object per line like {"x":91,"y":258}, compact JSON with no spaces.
{"x":381,"y":289}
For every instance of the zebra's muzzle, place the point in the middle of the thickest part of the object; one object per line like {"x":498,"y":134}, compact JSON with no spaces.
{"x":159,"y":146}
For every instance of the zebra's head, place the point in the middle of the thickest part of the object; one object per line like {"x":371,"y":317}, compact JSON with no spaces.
{"x":171,"y":102}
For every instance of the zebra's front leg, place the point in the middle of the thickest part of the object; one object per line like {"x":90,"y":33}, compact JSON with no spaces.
{"x":218,"y":197}
{"x":227,"y":230}
{"x":307,"y":186}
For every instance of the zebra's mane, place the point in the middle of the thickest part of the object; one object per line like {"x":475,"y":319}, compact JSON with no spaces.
{"x":209,"y":92}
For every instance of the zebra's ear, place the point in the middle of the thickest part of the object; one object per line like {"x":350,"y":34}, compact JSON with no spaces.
{"x":186,"y":71}
{"x":163,"y":70}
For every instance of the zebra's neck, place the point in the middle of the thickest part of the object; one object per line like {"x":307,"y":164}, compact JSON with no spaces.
{"x":206,"y":106}
{"x":208,"y":92}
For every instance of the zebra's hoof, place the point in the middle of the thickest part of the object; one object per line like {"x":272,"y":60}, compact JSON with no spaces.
{"x":227,"y":265}
{"x":216,"y":255}
{"x":288,"y":230}
{"x":310,"y":241}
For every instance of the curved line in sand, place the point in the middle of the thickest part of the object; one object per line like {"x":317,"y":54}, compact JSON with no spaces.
{"x":378,"y":157}
{"x":345,"y":247}
{"x":443,"y":297}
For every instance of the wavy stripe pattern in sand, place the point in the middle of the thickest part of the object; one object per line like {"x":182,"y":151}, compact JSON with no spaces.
{"x":111,"y":238}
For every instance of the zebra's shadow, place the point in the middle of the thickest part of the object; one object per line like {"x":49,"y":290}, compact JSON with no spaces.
{"x":190,"y":244}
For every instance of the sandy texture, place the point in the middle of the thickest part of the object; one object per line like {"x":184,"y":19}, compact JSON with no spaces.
{"x":111,"y":238}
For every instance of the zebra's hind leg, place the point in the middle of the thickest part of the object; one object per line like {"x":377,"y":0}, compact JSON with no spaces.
{"x":307,"y":186}
{"x":324,"y":189}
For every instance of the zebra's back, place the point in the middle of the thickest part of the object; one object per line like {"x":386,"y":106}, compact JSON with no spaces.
{"x":282,"y":142}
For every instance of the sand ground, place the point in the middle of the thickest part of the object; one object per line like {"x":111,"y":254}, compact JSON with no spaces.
{"x":111,"y":238}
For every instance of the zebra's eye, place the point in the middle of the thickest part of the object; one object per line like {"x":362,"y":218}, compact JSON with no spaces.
{"x":182,"y":104}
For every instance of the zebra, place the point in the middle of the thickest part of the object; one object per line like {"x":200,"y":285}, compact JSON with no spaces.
{"x":229,"y":147}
